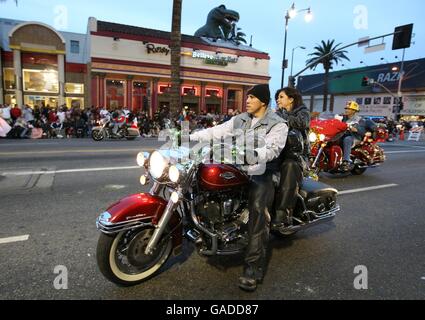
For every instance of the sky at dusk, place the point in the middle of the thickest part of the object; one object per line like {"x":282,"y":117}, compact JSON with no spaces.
{"x":345,"y":21}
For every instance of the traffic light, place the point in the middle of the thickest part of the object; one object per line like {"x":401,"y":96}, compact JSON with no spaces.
{"x":365,"y":82}
{"x":402,"y":37}
{"x":291,"y":82}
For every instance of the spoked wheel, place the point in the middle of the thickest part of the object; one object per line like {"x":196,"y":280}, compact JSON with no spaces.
{"x":98,"y":135}
{"x":122,"y":260}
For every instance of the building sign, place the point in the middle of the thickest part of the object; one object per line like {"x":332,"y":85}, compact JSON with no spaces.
{"x":350,"y":81}
{"x":414,"y":105}
{"x":150,"y":47}
{"x":214,"y":59}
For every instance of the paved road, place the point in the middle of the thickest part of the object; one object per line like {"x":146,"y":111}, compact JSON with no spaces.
{"x":54,"y":216}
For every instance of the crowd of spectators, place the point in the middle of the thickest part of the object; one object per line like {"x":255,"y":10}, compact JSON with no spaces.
{"x":63,"y":122}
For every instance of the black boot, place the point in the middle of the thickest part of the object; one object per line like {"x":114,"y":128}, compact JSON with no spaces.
{"x":278,"y":219}
{"x":283,"y":218}
{"x":250,"y":278}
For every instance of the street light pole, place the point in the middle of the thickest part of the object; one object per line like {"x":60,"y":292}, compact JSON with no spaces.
{"x":292,"y":59}
{"x":284,"y":48}
{"x":291,"y":14}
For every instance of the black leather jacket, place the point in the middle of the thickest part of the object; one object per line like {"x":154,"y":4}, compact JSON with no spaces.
{"x":298,"y":122}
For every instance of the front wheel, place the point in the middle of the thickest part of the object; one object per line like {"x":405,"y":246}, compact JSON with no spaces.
{"x":122,"y":260}
{"x":98,"y":135}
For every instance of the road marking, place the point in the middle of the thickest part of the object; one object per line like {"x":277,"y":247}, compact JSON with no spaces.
{"x":14,"y":239}
{"x":20,"y":153}
{"x":115,"y":186}
{"x":23,"y":173}
{"x":404,"y":146}
{"x":404,"y":151}
{"x":384,"y":186}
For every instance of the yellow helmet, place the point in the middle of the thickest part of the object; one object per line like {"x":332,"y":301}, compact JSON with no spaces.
{"x":352,"y":105}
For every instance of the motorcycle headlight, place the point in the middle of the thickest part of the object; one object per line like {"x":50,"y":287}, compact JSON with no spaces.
{"x":157,"y":165}
{"x":142,"y":159}
{"x":174,"y":174}
{"x":312,"y":137}
{"x":322,"y":137}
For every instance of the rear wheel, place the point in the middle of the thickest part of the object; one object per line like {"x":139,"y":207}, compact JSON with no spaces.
{"x":358,"y":171}
{"x":122,"y":260}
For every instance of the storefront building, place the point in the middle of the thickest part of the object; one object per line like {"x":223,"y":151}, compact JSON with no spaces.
{"x":377,"y":100}
{"x":116,"y":65}
{"x":130,"y":66}
{"x":41,"y":66}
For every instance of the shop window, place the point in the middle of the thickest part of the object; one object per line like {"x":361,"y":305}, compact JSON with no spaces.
{"x":234,"y":99}
{"x":189,"y":91}
{"x":75,"y":46}
{"x":76,"y":88}
{"x":74,"y":102}
{"x":9,"y":79}
{"x":115,"y":93}
{"x":212,"y":92}
{"x":10,"y":99}
{"x":41,"y":101}
{"x":164,"y":88}
{"x":140,"y":100}
{"x":41,"y":80}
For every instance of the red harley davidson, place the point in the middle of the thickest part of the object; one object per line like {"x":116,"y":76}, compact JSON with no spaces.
{"x":206,"y":202}
{"x":327,"y":154}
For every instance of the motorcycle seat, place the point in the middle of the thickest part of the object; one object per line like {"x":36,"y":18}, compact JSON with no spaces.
{"x":311,"y":188}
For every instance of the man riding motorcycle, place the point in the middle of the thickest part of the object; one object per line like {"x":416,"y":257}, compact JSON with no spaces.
{"x":355,"y":132}
{"x":118,"y":119}
{"x":261,"y":189}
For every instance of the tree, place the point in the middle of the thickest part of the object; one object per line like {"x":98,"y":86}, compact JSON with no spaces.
{"x":336,"y":55}
{"x":175,"y":47}
{"x":240,"y":37}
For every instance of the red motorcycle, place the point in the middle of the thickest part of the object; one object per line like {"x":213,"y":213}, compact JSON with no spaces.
{"x":206,"y":202}
{"x":327,"y":154}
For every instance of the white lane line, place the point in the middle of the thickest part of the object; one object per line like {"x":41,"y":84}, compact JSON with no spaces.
{"x":404,"y":146}
{"x":14,"y":239}
{"x":22,"y":153}
{"x":24,"y":173}
{"x":368,"y":189}
{"x":404,"y":151}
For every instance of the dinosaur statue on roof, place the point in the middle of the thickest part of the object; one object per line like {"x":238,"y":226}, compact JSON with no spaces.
{"x":220,"y":23}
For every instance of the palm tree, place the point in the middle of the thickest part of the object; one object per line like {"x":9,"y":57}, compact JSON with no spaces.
{"x":239,"y":37}
{"x":175,"y":47}
{"x":331,"y":54}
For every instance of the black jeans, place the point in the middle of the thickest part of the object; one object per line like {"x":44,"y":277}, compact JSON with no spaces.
{"x":291,"y":176}
{"x":260,"y":201}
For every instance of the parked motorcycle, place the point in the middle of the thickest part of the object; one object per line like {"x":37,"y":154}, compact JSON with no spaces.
{"x":104,"y":131}
{"x":327,"y":154}
{"x":206,"y":202}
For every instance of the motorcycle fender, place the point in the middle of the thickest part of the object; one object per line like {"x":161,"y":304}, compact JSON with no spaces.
{"x":145,"y":207}
{"x":97,"y":128}
{"x":334,"y":156}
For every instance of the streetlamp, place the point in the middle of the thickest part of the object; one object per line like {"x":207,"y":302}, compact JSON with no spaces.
{"x":290,"y":14}
{"x":292,"y":59}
